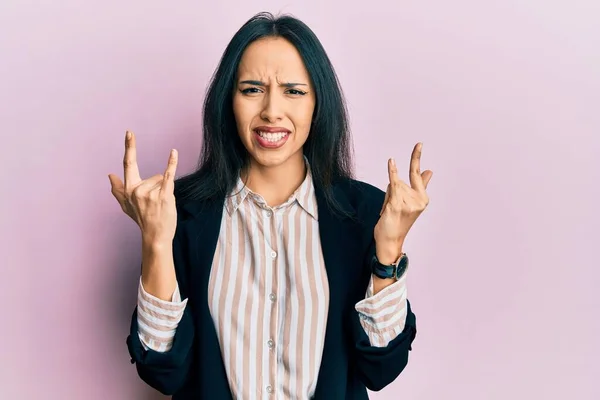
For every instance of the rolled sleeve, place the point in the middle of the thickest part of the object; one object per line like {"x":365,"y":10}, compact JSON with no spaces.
{"x":383,"y":315}
{"x":158,"y":319}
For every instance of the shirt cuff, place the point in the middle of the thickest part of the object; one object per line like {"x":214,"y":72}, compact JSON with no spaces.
{"x":383,"y":315}
{"x":158,"y":319}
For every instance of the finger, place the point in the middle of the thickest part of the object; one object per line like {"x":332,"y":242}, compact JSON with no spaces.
{"x":168,"y":183}
{"x":152,"y":188}
{"x":393,"y":176}
{"x":115,"y":182}
{"x":405,"y":193}
{"x":414,"y":173}
{"x":132,"y":172}
{"x":385,"y":199}
{"x":426,"y":176}
{"x":144,"y":189}
{"x":117,"y":188}
{"x":149,"y":184}
{"x":155,"y":191}
{"x":398,"y":188}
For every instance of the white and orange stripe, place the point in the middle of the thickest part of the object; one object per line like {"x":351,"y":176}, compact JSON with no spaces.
{"x":158,"y":319}
{"x":268,"y":296}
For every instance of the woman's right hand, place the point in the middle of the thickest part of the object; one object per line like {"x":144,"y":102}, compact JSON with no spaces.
{"x":149,"y":202}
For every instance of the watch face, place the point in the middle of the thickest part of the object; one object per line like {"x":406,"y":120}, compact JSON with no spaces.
{"x":402,"y":265}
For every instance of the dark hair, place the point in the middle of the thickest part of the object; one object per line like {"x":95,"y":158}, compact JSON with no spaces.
{"x":327,"y":147}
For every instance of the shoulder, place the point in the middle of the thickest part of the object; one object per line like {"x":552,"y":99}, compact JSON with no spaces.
{"x":361,"y":194}
{"x":191,"y":201}
{"x":364,"y":199}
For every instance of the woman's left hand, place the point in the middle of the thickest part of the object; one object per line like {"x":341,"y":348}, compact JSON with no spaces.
{"x":401,"y":207}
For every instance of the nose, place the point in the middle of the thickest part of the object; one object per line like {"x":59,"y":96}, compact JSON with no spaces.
{"x":272,"y":108}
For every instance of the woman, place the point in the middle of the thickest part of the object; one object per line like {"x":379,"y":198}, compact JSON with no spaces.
{"x":270,"y":272}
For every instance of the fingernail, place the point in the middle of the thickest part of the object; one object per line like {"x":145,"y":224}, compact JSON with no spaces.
{"x":393,"y":162}
{"x":128,"y":135}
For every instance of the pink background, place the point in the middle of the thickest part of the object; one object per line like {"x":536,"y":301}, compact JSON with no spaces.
{"x":504,"y":94}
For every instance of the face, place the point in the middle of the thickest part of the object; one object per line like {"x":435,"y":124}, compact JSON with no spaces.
{"x":273,"y":102}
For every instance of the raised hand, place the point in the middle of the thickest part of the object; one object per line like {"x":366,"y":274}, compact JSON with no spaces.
{"x":402,"y":206}
{"x":150,"y":202}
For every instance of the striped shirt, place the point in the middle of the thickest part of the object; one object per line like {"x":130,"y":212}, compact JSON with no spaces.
{"x":268,"y":296}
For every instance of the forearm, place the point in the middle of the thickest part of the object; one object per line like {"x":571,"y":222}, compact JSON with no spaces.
{"x":158,"y":269}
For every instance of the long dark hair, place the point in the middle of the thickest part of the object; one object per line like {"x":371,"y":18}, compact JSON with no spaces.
{"x":327,"y":148}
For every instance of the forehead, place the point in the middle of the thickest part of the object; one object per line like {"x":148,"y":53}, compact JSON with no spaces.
{"x":272,"y":57}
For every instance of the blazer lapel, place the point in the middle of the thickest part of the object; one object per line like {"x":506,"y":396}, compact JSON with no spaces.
{"x":336,"y":233}
{"x":203,"y":233}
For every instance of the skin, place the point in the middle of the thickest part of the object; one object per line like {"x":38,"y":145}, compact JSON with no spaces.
{"x":402,"y":205}
{"x":273,"y":89}
{"x":151,"y":205}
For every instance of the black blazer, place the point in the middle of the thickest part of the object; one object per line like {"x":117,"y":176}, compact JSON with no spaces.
{"x":194,"y":369}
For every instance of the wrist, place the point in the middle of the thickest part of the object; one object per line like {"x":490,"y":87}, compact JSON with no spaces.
{"x":158,"y":269}
{"x":389,"y":268}
{"x":156,"y":245}
{"x":388,"y":253}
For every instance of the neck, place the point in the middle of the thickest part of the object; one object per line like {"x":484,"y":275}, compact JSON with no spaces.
{"x":276,"y":184}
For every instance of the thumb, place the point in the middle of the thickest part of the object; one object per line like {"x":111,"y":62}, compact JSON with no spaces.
{"x":385,"y":200}
{"x":426,"y":176}
{"x":117,"y":189}
{"x":115,"y":182}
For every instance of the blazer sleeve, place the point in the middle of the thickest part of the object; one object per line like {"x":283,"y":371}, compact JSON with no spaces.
{"x":377,"y":367}
{"x":166,"y":371}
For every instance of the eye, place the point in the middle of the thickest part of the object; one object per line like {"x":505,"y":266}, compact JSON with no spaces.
{"x":250,"y":90}
{"x":296,"y":92}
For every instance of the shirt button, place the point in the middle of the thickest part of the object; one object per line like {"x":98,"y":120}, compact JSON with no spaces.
{"x":269,"y":389}
{"x":273,"y":254}
{"x":271,"y":343}
{"x":272,"y":297}
{"x":269,"y":213}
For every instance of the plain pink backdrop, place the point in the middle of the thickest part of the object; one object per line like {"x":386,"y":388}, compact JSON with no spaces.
{"x":504,"y":94}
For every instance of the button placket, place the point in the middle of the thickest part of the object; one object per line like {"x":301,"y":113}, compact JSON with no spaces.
{"x":274,"y":323}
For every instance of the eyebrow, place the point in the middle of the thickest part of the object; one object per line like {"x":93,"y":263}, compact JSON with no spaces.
{"x":260,"y":83}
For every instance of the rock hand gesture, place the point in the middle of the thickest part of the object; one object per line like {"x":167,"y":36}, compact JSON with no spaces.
{"x":402,"y":206}
{"x":151,"y":204}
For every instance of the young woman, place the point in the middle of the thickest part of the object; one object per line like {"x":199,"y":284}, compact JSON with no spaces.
{"x":270,"y":272}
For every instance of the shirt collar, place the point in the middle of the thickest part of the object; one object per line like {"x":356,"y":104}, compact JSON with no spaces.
{"x":304,"y":195}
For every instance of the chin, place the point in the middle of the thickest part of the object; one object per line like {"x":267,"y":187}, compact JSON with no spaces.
{"x":270,"y":160}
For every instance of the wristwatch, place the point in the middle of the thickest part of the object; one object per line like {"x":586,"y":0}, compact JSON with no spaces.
{"x":395,"y":270}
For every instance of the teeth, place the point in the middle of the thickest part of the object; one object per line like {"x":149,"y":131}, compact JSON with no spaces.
{"x":272,"y":137}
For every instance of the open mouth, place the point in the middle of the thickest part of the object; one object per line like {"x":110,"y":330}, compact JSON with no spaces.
{"x":272,"y":137}
{"x":271,"y":140}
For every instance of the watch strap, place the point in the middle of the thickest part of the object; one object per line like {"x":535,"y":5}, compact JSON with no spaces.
{"x":394,"y":270}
